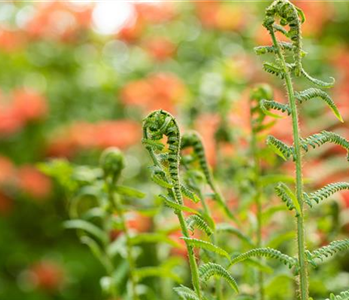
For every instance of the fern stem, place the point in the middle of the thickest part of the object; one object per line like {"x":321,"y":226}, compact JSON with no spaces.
{"x":116,"y":202}
{"x":191,"y":255}
{"x":303,"y":272}
{"x":219,"y":291}
{"x":258,"y":201}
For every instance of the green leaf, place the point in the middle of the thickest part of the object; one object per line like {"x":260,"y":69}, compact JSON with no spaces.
{"x":161,"y":272}
{"x":129,"y":192}
{"x":89,"y":228}
{"x":208,"y":270}
{"x":206,"y":245}
{"x":186,"y":293}
{"x":146,"y":238}
{"x":177,"y":206}
{"x":189,"y":194}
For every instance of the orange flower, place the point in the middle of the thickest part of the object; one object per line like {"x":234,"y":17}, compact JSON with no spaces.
{"x":34,"y":183}
{"x":158,"y":91}
{"x":29,"y":105}
{"x":46,"y":275}
{"x":7,"y":170}
{"x":160,"y":48}
{"x":11,"y":40}
{"x":157,"y":12}
{"x":58,"y":20}
{"x":82,"y":135}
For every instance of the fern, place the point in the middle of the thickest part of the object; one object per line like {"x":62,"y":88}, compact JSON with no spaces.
{"x":195,"y":221}
{"x":274,"y":69}
{"x":208,"y":270}
{"x":319,"y":139}
{"x":206,"y":246}
{"x":266,"y":252}
{"x":342,"y":296}
{"x":266,"y":105}
{"x":317,"y":93}
{"x":317,"y":82}
{"x":287,"y":196}
{"x":327,"y":191}
{"x":279,"y":147}
{"x":186,"y":293}
{"x":329,"y":250}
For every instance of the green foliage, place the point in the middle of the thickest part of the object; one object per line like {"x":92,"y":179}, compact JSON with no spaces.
{"x":280,"y":148}
{"x":266,"y":252}
{"x":196,"y":221}
{"x":208,"y":270}
{"x":341,"y":296}
{"x":328,"y":251}
{"x":326,"y":192}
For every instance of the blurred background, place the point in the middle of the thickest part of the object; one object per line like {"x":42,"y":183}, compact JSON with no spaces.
{"x":77,"y":77}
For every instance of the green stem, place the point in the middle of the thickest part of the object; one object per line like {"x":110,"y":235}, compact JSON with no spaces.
{"x":258,"y":202}
{"x":303,"y":272}
{"x":219,"y":291}
{"x":116,"y":202}
{"x":192,"y":261}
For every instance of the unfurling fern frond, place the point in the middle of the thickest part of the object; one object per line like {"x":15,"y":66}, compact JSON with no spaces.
{"x":273,"y":69}
{"x":342,"y":296}
{"x":266,"y":252}
{"x":290,"y":16}
{"x":266,"y":105}
{"x":327,"y":191}
{"x":318,"y":139}
{"x":287,"y":196}
{"x":329,"y":250}
{"x":206,"y":246}
{"x":279,"y":147}
{"x":195,"y":221}
{"x":186,"y":293}
{"x":318,"y":82}
{"x":193,"y":139}
{"x":208,"y":270}
{"x":317,"y":93}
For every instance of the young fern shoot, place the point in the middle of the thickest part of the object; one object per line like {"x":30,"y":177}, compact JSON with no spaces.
{"x":165,"y":172}
{"x":290,"y":19}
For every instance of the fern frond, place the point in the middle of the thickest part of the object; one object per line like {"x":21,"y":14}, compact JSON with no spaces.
{"x":279,"y":147}
{"x":329,"y":250}
{"x":327,"y":191}
{"x":186,"y":293}
{"x":208,"y":270}
{"x":342,"y":296}
{"x":260,"y":50}
{"x":274,"y":69}
{"x":317,"y":93}
{"x":175,"y":206}
{"x":195,"y":221}
{"x":287,"y":196}
{"x":267,"y":105}
{"x":266,"y":252}
{"x":318,"y":139}
{"x":318,"y":82}
{"x":206,"y":246}
{"x":189,"y":194}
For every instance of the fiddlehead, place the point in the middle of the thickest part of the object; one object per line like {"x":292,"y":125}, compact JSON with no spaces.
{"x":193,"y":140}
{"x":342,"y":296}
{"x":157,"y":125}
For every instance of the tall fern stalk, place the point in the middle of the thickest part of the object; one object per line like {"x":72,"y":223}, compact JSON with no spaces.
{"x":289,"y":15}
